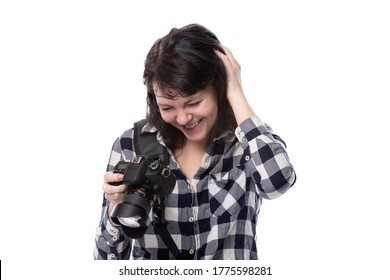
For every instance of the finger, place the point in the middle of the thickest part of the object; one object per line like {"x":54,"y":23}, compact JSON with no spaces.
{"x":114,"y":198}
{"x":110,"y":189}
{"x":112,"y":177}
{"x":231,"y":57}
{"x":231,"y":65}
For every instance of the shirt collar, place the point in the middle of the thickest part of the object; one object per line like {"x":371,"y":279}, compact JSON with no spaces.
{"x":228,"y":136}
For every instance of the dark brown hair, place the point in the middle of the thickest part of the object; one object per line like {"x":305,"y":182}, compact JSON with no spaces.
{"x":185,"y":61}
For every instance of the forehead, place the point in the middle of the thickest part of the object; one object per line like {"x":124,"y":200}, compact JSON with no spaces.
{"x":168,"y":93}
{"x":172,"y":94}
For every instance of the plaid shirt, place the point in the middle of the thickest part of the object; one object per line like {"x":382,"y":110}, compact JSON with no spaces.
{"x":214,"y":215}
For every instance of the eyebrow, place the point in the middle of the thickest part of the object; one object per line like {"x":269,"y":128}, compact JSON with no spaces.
{"x":168,"y":98}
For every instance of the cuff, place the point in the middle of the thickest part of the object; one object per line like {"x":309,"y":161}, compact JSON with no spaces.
{"x":112,"y":233}
{"x":250,"y":129}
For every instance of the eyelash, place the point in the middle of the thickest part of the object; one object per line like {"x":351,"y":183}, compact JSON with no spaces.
{"x":194,"y":104}
{"x":191,"y":105}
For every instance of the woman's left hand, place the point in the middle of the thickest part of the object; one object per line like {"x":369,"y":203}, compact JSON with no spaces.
{"x":233,"y":72}
{"x":235,"y":93}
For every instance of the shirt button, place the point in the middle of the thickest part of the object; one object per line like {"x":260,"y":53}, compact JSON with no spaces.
{"x":191,"y":219}
{"x":191,"y":251}
{"x":247,"y":157}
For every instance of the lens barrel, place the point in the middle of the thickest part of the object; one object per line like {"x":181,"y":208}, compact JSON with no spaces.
{"x":137,"y":208}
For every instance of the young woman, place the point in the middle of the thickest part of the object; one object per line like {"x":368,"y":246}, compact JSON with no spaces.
{"x":224,"y":157}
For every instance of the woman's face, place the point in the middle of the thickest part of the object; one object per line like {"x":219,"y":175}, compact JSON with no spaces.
{"x":194,"y":115}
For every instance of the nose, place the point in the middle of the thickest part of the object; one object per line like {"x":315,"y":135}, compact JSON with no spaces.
{"x":183,"y":117}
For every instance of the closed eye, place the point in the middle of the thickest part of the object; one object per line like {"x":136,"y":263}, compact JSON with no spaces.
{"x":194,"y":104}
{"x":166,"y":108}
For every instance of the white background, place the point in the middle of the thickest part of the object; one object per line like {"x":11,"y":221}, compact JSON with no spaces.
{"x":316,"y":71}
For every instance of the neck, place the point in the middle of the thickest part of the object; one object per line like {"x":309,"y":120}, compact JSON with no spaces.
{"x":192,"y":147}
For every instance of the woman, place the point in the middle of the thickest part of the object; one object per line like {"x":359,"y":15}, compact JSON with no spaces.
{"x":224,"y":158}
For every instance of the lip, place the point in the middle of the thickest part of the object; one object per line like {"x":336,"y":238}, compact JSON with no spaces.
{"x":193,"y":125}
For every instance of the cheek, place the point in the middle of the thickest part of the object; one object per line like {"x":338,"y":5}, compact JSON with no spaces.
{"x":211,"y":110}
{"x":167,"y":116}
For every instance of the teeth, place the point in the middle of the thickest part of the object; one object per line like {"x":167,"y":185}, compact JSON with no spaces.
{"x":192,"y":125}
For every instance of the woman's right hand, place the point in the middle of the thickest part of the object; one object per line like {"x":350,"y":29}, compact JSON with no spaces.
{"x":113,"y":193}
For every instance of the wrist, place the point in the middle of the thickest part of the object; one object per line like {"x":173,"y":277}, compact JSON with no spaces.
{"x":241,"y":108}
{"x":109,"y":212}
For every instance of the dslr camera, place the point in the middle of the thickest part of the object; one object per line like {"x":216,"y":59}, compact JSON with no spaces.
{"x":148,"y":182}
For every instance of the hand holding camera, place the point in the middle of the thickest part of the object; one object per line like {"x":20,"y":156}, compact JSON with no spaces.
{"x":114,"y":189}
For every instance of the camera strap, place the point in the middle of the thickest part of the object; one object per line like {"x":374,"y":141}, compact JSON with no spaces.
{"x":161,"y":229}
{"x":146,"y":144}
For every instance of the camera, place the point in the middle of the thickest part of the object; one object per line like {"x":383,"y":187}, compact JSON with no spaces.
{"x":148,"y":182}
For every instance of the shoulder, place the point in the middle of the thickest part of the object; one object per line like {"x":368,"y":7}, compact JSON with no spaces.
{"x":126,"y":139}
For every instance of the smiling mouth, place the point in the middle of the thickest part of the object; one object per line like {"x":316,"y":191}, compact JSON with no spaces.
{"x":192,"y":125}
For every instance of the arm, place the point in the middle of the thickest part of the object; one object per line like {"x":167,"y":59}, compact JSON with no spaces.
{"x":269,"y":164}
{"x":110,"y":241}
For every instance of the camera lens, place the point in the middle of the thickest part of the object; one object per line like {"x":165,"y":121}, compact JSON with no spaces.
{"x":133,"y":215}
{"x":132,"y":222}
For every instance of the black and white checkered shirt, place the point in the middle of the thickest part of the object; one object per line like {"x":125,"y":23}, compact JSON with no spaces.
{"x":214,"y":215}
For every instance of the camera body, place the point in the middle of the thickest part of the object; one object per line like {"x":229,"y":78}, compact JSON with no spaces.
{"x":146,"y":173}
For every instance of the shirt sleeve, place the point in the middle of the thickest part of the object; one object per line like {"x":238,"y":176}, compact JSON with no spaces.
{"x":110,"y":241}
{"x":267,"y":158}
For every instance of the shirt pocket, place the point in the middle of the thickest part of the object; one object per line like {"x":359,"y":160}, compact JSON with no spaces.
{"x":227,"y":195}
